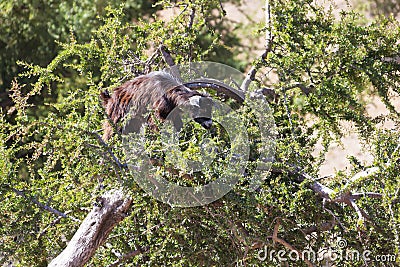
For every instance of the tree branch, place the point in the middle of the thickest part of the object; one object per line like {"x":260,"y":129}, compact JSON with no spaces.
{"x":43,"y":206}
{"x":366,"y":194}
{"x":281,"y":241}
{"x":94,"y":230}
{"x":57,"y":220}
{"x":109,"y":151}
{"x":251,"y":75}
{"x":358,"y":176}
{"x":329,"y":195}
{"x":362,"y":216}
{"x":325,"y":226}
{"x":129,"y":255}
{"x":305,"y":89}
{"x":191,"y":21}
{"x":222,"y":8}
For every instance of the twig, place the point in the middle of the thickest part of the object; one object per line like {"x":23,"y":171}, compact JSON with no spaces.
{"x":336,"y":219}
{"x":305,"y":89}
{"x":192,"y":15}
{"x":366,"y":194}
{"x":57,"y":220}
{"x":275,"y":238}
{"x":251,"y":75}
{"x":107,"y":147}
{"x":150,"y":60}
{"x":361,"y":214}
{"x":324,"y":177}
{"x":222,"y":8}
{"x":129,"y":255}
{"x":326,"y":226}
{"x":43,"y":206}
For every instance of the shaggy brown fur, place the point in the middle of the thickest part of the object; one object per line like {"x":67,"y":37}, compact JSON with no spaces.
{"x":157,"y":91}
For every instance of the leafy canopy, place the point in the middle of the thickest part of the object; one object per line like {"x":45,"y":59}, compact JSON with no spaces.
{"x":324,"y":66}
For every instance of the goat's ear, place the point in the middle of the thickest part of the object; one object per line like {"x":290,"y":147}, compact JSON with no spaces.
{"x":195,"y":101}
{"x":105,"y":96}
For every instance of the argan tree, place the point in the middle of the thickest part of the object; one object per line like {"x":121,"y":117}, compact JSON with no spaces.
{"x":68,"y":198}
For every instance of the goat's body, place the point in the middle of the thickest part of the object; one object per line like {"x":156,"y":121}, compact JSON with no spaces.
{"x":158,"y":91}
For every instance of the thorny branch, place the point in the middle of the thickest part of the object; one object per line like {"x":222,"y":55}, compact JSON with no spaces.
{"x":43,"y":206}
{"x":109,"y":151}
{"x":330,"y":196}
{"x":222,"y":8}
{"x":251,"y":75}
{"x":281,"y":241}
{"x":191,"y":21}
{"x":128,"y":255}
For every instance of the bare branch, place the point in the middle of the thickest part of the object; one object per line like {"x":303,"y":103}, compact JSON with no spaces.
{"x":192,"y":15}
{"x":94,"y":230}
{"x":129,"y":255}
{"x":394,"y":59}
{"x":358,"y":176}
{"x":322,"y":190}
{"x":361,"y":214}
{"x":54,"y":222}
{"x":305,"y":89}
{"x":251,"y":75}
{"x":222,"y":8}
{"x":327,"y":194}
{"x":366,"y":194}
{"x":43,"y":206}
{"x":325,"y":226}
{"x":109,"y":151}
{"x":335,"y":218}
{"x":275,"y":238}
{"x":150,"y":60}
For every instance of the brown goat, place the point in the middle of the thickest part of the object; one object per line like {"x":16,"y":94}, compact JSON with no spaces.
{"x":157,"y":91}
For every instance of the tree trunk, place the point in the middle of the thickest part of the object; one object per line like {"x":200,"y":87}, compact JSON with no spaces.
{"x":94,"y":230}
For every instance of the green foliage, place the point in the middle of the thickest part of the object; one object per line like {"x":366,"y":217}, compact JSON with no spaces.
{"x":53,"y":153}
{"x":332,"y":58}
{"x":29,"y":29}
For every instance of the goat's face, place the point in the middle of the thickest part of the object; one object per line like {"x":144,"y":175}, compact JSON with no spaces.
{"x":200,"y":109}
{"x":193,"y":103}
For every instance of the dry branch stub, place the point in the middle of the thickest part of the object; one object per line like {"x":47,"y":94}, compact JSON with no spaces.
{"x":109,"y":210}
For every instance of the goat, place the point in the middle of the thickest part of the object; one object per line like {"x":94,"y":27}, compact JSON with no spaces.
{"x":158,"y":91}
